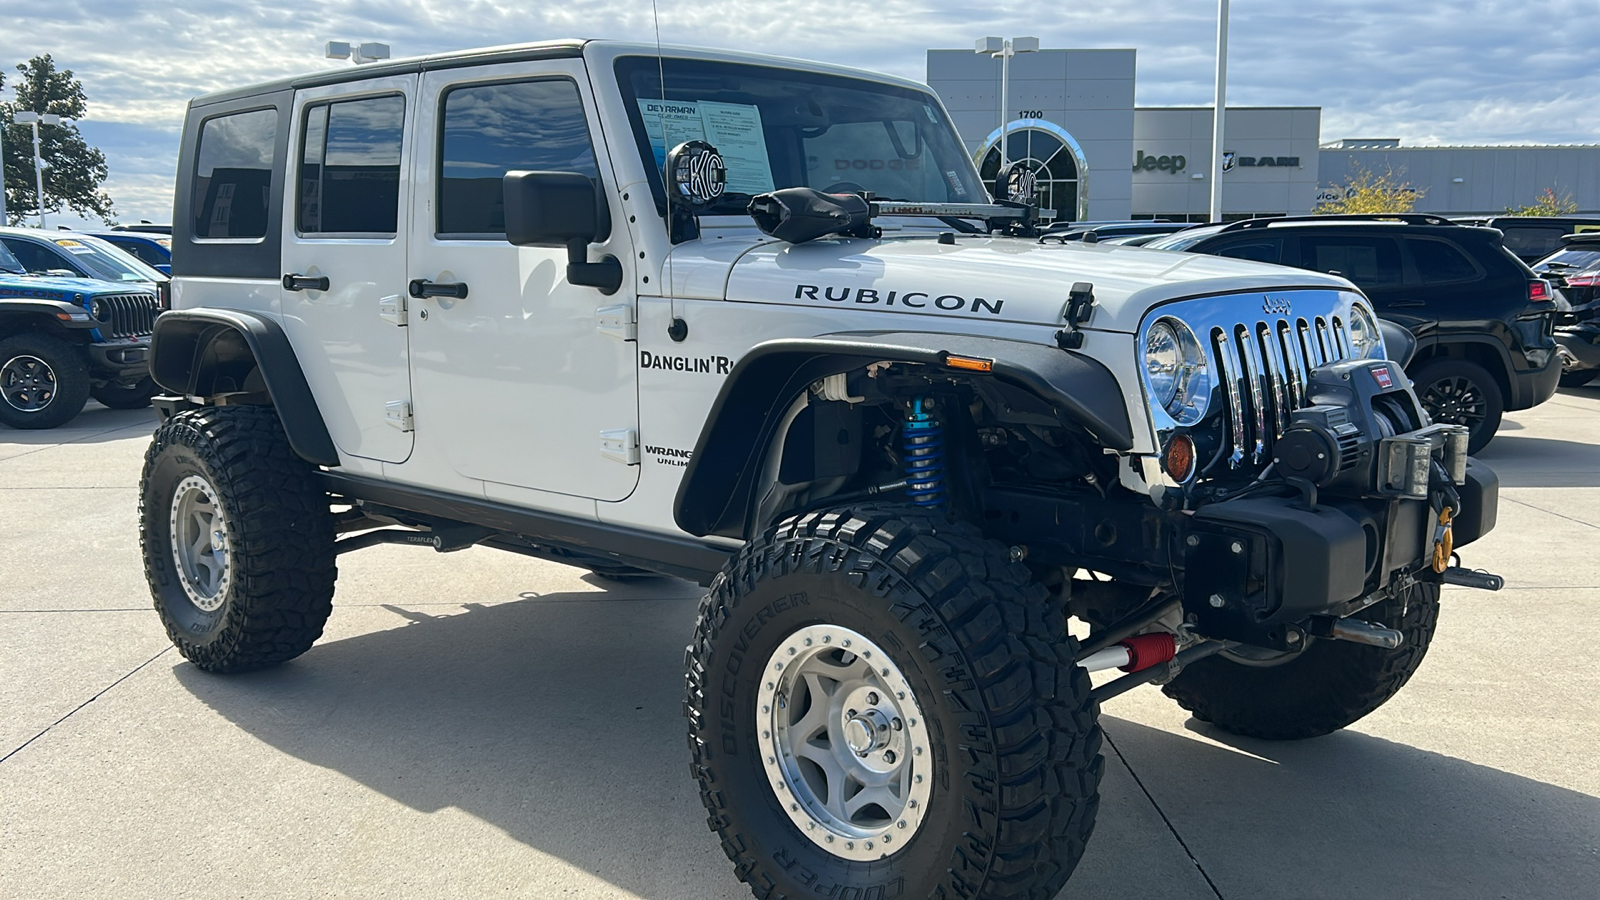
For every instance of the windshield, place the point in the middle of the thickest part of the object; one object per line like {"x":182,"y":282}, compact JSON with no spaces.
{"x":1181,"y":240}
{"x":8,"y":263}
{"x":106,"y":262}
{"x":779,"y":128}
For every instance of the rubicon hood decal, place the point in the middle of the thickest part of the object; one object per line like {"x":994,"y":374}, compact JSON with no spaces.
{"x":882,"y":298}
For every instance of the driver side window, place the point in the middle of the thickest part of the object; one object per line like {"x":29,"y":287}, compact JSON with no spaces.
{"x":37,"y":259}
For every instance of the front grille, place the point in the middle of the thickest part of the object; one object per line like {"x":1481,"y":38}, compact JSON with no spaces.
{"x":1265,"y":367}
{"x":125,"y":315}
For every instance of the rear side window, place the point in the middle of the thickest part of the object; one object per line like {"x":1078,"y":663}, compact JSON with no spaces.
{"x":492,"y":129}
{"x":1267,"y":250}
{"x":1439,"y":262}
{"x":233,"y":175}
{"x":1369,"y":261}
{"x":350,"y":167}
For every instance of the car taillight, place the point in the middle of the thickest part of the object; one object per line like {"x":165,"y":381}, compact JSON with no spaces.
{"x":1539,"y":291}
{"x":164,"y":295}
{"x":1587,"y":279}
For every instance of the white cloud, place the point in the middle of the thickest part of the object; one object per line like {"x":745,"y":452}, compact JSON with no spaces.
{"x":1475,"y":71}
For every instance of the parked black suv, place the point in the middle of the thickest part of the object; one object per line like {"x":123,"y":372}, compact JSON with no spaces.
{"x":1574,"y":271}
{"x":1482,"y":319}
{"x":1534,"y":237}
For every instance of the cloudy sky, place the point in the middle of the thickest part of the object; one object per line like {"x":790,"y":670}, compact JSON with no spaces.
{"x":1457,"y":72}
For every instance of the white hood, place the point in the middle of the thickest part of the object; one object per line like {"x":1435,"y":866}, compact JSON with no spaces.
{"x":980,"y":278}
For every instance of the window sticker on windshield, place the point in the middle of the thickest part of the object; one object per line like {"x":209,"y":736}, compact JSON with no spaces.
{"x":74,"y":246}
{"x":956,"y":187}
{"x":932,"y":116}
{"x":733,"y":128}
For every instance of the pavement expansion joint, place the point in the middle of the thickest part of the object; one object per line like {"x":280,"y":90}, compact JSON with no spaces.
{"x":1548,"y":511}
{"x":101,"y":693}
{"x":1163,"y":814}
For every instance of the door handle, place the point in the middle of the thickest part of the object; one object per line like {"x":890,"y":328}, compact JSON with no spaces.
{"x":305,"y":283}
{"x":1406,"y":304}
{"x":421,"y":287}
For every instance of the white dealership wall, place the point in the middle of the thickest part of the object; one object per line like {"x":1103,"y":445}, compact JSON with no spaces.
{"x":1089,"y":94}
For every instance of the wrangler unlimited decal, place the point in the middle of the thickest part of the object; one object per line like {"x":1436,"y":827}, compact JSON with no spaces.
{"x":911,"y":299}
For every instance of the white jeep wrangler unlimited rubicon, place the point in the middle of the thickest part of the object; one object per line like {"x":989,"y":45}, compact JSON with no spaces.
{"x":758,"y":323}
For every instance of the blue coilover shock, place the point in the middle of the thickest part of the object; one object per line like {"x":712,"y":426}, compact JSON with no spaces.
{"x":923,"y":440}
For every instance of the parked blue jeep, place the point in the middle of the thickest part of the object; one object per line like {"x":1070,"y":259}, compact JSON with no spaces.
{"x":64,"y":340}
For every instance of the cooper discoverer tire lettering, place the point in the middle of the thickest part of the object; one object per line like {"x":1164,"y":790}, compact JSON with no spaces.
{"x":237,"y":539}
{"x":1013,"y":746}
{"x":1324,"y":688}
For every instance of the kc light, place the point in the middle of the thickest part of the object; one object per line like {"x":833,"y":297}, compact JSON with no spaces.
{"x":1175,"y":368}
{"x":1365,"y":339}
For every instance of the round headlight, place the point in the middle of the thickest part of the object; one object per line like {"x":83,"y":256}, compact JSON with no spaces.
{"x":1175,"y":367}
{"x":1163,"y":361}
{"x":98,"y":310}
{"x":1365,"y":339}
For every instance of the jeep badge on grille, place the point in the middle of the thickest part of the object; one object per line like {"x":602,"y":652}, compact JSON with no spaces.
{"x":1278,"y":306}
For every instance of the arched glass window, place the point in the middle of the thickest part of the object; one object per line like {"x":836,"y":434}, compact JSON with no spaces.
{"x":1055,"y":158}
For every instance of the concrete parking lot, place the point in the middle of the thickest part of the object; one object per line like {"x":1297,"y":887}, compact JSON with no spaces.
{"x":485,"y":725}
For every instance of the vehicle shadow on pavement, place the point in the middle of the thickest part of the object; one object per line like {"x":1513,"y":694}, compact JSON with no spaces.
{"x":1351,"y":815}
{"x":557,"y":719}
{"x":1542,"y":462}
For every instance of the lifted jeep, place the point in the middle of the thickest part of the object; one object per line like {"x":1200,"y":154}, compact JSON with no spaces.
{"x":758,"y":323}
{"x":64,"y":340}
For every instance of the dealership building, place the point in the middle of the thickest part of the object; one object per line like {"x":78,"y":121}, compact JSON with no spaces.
{"x":1098,"y":156}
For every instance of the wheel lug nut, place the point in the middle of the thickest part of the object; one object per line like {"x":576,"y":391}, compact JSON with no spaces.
{"x":898,"y":724}
{"x":888,"y":756}
{"x":872,"y":699}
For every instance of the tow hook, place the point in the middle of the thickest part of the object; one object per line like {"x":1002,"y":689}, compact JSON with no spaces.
{"x":1460,"y":577}
{"x":1358,"y":631}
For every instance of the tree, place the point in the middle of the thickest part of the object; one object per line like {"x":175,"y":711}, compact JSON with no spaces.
{"x":1368,"y":192}
{"x":75,"y":170}
{"x":1548,"y":204}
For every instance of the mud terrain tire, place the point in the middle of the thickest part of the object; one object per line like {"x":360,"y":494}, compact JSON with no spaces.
{"x":1013,"y":736}
{"x":1328,"y":686}
{"x":259,"y":591}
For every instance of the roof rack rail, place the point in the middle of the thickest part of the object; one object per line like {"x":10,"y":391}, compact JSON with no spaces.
{"x":1408,"y":218}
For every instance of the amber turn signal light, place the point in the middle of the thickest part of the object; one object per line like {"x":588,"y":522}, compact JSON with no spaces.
{"x":970,"y":363}
{"x":1178,"y":458}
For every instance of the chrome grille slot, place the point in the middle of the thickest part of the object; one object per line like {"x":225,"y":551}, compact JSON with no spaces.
{"x":1265,"y":369}
{"x":1228,"y":367}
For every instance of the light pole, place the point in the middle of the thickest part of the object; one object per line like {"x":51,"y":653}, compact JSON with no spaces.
{"x":1003,"y":49}
{"x":360,"y":54}
{"x":1219,"y":111}
{"x":37,"y":119}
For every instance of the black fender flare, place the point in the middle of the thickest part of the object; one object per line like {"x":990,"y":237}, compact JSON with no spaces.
{"x":190,"y":347}
{"x":715,"y":495}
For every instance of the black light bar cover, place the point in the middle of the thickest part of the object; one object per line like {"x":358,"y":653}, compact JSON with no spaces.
{"x":802,"y":214}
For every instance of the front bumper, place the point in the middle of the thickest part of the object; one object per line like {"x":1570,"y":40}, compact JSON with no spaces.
{"x":1254,"y":566}
{"x":125,"y":360}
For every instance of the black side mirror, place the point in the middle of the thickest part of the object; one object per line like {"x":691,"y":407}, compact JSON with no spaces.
{"x":561,"y":209}
{"x":550,"y":209}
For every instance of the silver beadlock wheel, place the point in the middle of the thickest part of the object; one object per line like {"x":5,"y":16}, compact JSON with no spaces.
{"x":200,"y":543}
{"x":844,"y":743}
